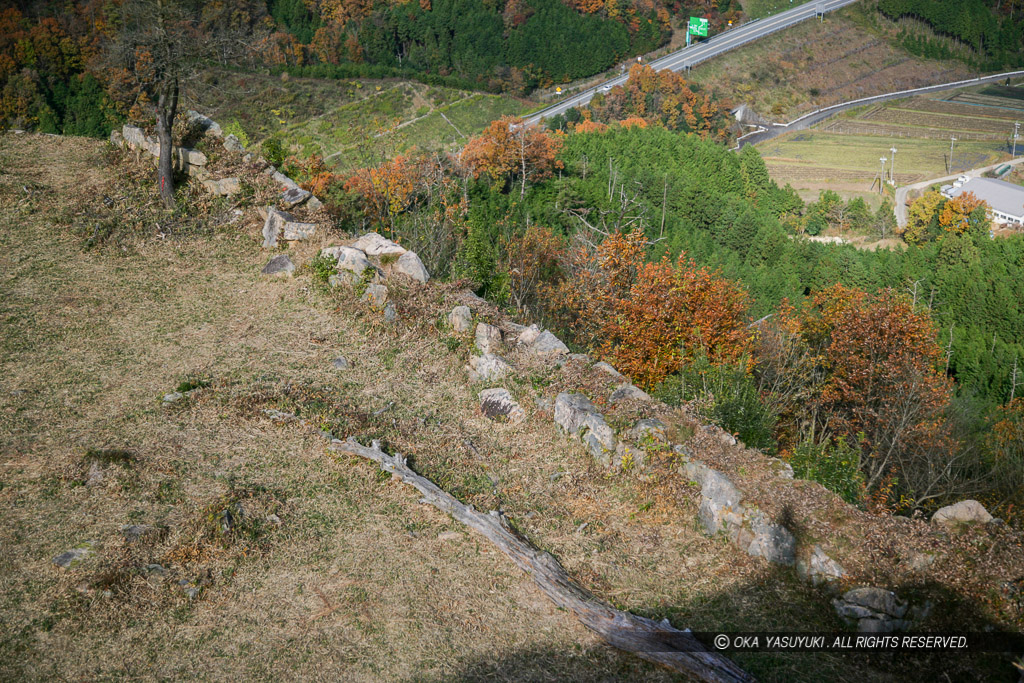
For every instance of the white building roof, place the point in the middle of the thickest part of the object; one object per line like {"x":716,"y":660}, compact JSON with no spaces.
{"x":1004,"y":197}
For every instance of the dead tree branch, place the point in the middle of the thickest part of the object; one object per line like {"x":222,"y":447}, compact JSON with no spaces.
{"x":651,"y":640}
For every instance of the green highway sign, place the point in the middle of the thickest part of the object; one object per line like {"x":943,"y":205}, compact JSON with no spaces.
{"x":698,"y":27}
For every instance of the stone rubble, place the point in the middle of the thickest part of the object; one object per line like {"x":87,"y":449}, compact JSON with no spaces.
{"x":279,"y":265}
{"x":461,"y":319}
{"x":498,"y":405}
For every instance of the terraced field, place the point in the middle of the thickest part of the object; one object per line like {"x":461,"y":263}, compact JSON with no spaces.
{"x":844,"y":153}
{"x":349,"y":122}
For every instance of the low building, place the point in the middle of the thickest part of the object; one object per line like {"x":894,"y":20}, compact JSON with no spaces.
{"x":1005,"y":200}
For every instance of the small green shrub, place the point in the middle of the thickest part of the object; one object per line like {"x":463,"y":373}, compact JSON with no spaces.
{"x":323,"y":267}
{"x":727,"y":396}
{"x":273,"y":151}
{"x":191,"y":383}
{"x":235,"y":128}
{"x":110,"y":456}
{"x":834,"y":465}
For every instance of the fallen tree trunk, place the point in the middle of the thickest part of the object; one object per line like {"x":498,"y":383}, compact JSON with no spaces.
{"x":651,"y":640}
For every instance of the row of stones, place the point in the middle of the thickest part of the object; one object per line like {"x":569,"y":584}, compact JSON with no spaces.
{"x":869,"y":608}
{"x":193,"y":162}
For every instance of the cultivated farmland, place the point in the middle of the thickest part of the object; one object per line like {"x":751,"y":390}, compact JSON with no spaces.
{"x":843,"y":153}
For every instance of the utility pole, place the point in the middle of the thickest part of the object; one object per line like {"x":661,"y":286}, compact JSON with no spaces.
{"x":892,"y":167}
{"x":881,"y":176}
{"x":952,"y":139}
{"x":1016,"y":131}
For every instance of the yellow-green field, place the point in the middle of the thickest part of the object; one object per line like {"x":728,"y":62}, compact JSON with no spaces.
{"x":844,"y":152}
{"x":349,"y":121}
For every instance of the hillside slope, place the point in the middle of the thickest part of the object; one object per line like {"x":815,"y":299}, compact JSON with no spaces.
{"x":227,"y":542}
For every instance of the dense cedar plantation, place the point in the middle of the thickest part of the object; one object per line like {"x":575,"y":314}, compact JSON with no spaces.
{"x":993,"y":30}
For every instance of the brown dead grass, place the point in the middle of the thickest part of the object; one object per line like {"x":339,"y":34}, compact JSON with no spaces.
{"x":815,"y":64}
{"x":354,"y":582}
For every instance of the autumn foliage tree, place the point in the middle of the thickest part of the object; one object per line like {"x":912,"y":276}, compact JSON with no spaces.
{"x":964,"y":213}
{"x":884,"y":388}
{"x":649,"y":319}
{"x":156,"y":48}
{"x":414,"y":198}
{"x":509,"y":151}
{"x":919,"y":216}
{"x":663,"y":97}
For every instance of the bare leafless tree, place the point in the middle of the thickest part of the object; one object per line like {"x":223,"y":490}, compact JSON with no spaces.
{"x":160,"y":46}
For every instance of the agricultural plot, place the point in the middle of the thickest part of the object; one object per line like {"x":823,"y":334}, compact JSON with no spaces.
{"x":844,"y":153}
{"x":813,"y":160}
{"x":954,"y":107}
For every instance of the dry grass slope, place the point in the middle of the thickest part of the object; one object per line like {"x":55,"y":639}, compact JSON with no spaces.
{"x":306,"y":565}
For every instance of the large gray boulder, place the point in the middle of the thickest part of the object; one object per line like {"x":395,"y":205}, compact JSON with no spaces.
{"x":606,"y":368}
{"x":232,"y":144}
{"x":279,"y":265}
{"x":292,"y":197}
{"x":373,"y":244}
{"x":281,"y":225}
{"x":461,"y":319}
{"x":771,"y":541}
{"x":720,"y":508}
{"x":873,"y":610}
{"x":225,"y":187}
{"x":964,"y":512}
{"x":819,"y":568}
{"x":540,"y":342}
{"x":547,"y":344}
{"x":650,"y":431}
{"x":409,"y":265}
{"x":206,"y":124}
{"x":488,"y":338}
{"x":578,"y":416}
{"x":282,"y":180}
{"x":134,"y":137}
{"x":376,"y":295}
{"x":488,"y":368}
{"x":351,"y":259}
{"x":628,"y":392}
{"x":526,"y":335}
{"x":498,"y":405}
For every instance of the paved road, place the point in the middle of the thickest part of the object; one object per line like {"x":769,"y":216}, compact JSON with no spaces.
{"x":712,"y":47}
{"x":901,"y":193}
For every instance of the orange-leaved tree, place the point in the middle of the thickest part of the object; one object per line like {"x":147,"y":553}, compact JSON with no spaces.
{"x":650,"y":319}
{"x":963,"y":213}
{"x":1006,"y":452}
{"x":884,"y":389}
{"x":509,"y":150}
